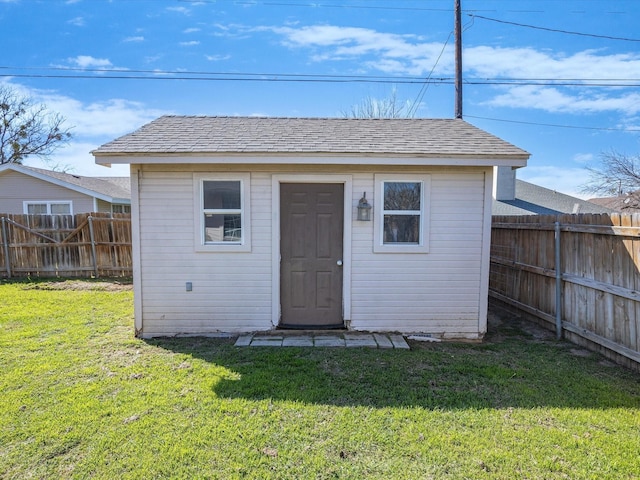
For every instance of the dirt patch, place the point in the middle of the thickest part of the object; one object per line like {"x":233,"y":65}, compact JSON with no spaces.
{"x":82,"y":285}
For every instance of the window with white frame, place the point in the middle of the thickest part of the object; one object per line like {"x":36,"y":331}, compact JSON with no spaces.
{"x":402,"y":218}
{"x":120,"y":208}
{"x":223,"y":212}
{"x":47,"y":208}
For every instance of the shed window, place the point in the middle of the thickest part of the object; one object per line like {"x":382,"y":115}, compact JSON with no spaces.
{"x":402,"y":219}
{"x":47,"y":208}
{"x":223,"y":211}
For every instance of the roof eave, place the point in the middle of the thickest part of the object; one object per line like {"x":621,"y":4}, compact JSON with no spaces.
{"x":285,"y":158}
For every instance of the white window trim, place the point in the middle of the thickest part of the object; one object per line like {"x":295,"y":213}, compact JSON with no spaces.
{"x":245,"y":207}
{"x":425,"y":208}
{"x":26,"y":203}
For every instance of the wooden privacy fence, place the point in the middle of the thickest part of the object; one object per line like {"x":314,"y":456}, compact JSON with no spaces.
{"x":579,"y":273}
{"x":83,"y":245}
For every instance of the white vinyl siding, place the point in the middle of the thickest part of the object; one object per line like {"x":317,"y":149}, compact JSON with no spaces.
{"x":436,"y":292}
{"x":231,"y":292}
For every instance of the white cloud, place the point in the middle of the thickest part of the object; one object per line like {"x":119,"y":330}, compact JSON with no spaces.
{"x":516,"y":62}
{"x":552,"y":99}
{"x":190,"y":44}
{"x":134,"y":39}
{"x":191,"y":30}
{"x":583,"y":158}
{"x":77,"y":21}
{"x":92,"y":124}
{"x":396,"y":54}
{"x":390,"y":53}
{"x":105,"y":119}
{"x":183,"y":10}
{"x":217,"y":58}
{"x":86,"y":61}
{"x":411,"y":54}
{"x":76,"y":158}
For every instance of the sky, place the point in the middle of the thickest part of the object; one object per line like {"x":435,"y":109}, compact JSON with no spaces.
{"x":560,"y":79}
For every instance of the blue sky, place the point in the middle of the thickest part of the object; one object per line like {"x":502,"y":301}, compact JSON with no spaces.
{"x":565,"y":91}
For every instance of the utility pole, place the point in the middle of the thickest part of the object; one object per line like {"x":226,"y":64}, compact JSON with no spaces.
{"x":458,"y":35}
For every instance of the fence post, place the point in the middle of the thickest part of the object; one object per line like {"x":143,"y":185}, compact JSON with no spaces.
{"x":5,"y":240}
{"x":93,"y":245}
{"x":558,"y":267}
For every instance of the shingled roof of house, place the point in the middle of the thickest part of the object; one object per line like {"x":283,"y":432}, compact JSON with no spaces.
{"x":533,"y":199}
{"x":198,"y":135}
{"x":114,"y":187}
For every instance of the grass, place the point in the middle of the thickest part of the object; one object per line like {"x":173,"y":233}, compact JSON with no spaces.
{"x":82,"y":398}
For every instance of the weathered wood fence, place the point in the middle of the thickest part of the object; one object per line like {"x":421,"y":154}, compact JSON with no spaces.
{"x":83,"y":245}
{"x":579,"y":274}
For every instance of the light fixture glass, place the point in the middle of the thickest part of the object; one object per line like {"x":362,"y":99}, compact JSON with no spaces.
{"x":364,"y":209}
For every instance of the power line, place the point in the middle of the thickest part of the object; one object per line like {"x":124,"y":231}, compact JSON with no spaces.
{"x":328,"y":5}
{"x":279,"y":78}
{"x":425,"y":87}
{"x":555,"y":125}
{"x":568,"y":32}
{"x":136,"y":74}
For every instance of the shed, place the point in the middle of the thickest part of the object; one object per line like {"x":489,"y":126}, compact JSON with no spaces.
{"x":245,"y":224}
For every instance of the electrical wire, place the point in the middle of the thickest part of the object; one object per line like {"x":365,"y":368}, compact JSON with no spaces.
{"x":567,"y":32}
{"x":425,"y":87}
{"x":137,"y":74}
{"x":555,"y":125}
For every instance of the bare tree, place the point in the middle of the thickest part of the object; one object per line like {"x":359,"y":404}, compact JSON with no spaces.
{"x":27,"y":128}
{"x":616,"y":174}
{"x":371,"y":107}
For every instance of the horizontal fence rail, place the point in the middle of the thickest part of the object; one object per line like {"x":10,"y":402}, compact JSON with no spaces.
{"x":577,"y":273}
{"x":83,"y":245}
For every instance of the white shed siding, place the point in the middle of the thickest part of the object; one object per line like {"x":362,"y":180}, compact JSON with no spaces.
{"x":437,"y":292}
{"x":231,"y":291}
{"x":16,"y":188}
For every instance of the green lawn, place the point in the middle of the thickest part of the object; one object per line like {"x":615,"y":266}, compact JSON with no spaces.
{"x":82,"y":398}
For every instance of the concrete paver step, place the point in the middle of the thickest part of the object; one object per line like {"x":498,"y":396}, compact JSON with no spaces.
{"x":335,"y":340}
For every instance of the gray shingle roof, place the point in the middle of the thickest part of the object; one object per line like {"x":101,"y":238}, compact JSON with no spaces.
{"x":533,"y":199}
{"x":115,"y":187}
{"x":331,"y":136}
{"x":627,"y":203}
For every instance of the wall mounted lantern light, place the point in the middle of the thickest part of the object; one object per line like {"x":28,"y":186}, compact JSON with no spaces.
{"x":364,"y":209}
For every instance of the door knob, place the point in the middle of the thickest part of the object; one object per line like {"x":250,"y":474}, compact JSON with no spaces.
{"x":339,"y":263}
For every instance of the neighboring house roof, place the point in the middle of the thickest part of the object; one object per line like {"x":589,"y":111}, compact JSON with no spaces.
{"x":332,"y":137}
{"x":629,"y":203}
{"x":535,"y":200}
{"x":109,"y":189}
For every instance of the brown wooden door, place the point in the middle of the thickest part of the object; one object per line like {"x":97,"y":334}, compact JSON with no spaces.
{"x":311,"y":229}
